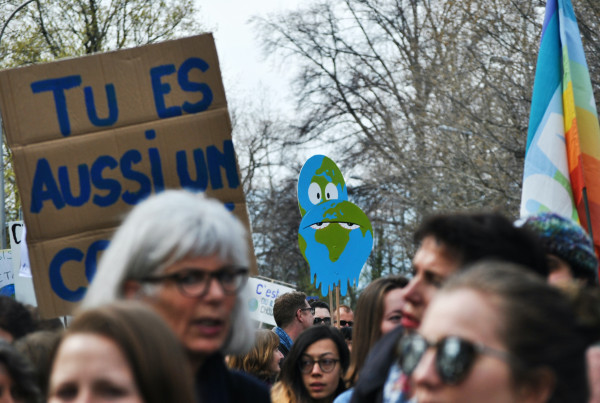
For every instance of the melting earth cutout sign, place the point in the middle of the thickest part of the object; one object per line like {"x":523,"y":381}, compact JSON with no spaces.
{"x":335,"y":235}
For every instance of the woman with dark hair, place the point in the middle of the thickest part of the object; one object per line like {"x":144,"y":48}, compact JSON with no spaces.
{"x":314,"y":368}
{"x":122,"y":352}
{"x":17,"y":380}
{"x":497,"y":333}
{"x":262,"y":361}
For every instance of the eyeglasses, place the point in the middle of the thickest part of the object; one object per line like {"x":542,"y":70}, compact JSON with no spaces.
{"x":325,"y":321}
{"x":326,"y":364}
{"x":344,"y":323}
{"x":454,"y":356}
{"x":195,"y":283}
{"x":312,"y":310}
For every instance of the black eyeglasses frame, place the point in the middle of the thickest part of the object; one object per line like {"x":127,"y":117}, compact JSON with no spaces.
{"x":239,"y":273}
{"x":308,"y":369}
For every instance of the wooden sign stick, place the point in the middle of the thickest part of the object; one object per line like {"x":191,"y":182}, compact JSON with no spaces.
{"x":337,"y":305}
{"x":330,"y":296}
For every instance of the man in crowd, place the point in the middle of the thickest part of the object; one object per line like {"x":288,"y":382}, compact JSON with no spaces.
{"x":346,"y":316}
{"x":322,"y":313}
{"x":292,"y":315}
{"x":446,"y":244}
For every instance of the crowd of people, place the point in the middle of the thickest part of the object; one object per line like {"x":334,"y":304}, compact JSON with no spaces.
{"x":494,"y":311}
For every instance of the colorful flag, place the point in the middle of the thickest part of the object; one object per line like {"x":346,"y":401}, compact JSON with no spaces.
{"x":562,"y":159}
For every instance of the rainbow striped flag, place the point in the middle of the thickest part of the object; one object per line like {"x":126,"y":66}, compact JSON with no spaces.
{"x":562,"y":159}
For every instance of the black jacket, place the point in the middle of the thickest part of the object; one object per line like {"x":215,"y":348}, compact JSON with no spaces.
{"x":372,"y":377}
{"x":215,"y":383}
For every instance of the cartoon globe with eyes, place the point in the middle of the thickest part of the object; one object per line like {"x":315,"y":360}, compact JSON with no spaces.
{"x":335,"y":235}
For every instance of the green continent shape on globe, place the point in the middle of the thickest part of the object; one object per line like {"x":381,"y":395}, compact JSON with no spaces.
{"x":302,"y":244}
{"x":334,"y":236}
{"x":328,"y":173}
{"x":349,"y":213}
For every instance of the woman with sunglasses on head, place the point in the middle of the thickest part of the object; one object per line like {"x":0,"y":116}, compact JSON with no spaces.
{"x":496,"y":333}
{"x":186,"y":256}
{"x":314,"y":368}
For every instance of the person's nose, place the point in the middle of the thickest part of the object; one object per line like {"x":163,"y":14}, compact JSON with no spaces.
{"x":412,"y":291}
{"x":85,"y":396}
{"x":215,"y":290}
{"x":316,"y":369}
{"x":426,"y":373}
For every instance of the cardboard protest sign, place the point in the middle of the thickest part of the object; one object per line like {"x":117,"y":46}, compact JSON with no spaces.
{"x":262,"y":297}
{"x":335,"y":236}
{"x":93,"y":136}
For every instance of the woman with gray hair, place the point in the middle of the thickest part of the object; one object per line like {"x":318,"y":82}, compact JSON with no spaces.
{"x":167,"y":253}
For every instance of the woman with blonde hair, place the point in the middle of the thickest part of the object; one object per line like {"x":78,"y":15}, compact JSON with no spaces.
{"x":262,"y":361}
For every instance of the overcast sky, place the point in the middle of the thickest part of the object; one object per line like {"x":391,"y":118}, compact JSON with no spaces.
{"x":243,"y":67}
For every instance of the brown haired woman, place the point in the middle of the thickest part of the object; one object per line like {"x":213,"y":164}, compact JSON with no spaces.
{"x":378,"y":311}
{"x":262,"y":361}
{"x":122,"y":352}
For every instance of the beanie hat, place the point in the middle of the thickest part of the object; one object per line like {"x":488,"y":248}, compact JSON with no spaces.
{"x":567,"y":240}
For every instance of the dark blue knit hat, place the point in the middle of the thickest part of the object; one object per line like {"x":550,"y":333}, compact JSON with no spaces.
{"x":567,"y":240}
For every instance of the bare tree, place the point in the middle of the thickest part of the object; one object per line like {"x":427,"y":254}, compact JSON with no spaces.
{"x":49,"y":29}
{"x":424,"y":103}
{"x":588,"y":18}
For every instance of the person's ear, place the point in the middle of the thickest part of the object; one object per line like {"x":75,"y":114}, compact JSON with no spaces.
{"x":299,"y":315}
{"x":539,"y":386}
{"x":131,"y":289}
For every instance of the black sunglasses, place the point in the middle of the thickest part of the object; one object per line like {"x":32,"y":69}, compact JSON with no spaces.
{"x":195,"y":282}
{"x":344,"y":323}
{"x":454,"y":356}
{"x":325,"y":321}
